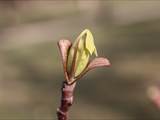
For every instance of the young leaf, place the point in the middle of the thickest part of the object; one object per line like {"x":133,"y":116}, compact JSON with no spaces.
{"x":82,"y":61}
{"x":95,"y":63}
{"x":83,"y":48}
{"x":64,"y":46}
{"x":98,"y":62}
{"x":70,"y":59}
{"x":89,"y":43}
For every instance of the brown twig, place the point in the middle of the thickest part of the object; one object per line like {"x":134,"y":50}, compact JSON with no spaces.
{"x":66,"y":100}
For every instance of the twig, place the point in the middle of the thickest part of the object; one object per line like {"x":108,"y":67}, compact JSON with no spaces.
{"x":66,"y":100}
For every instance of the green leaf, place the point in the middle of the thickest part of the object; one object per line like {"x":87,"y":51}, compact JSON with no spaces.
{"x":70,"y":59}
{"x":95,"y":51}
{"x":82,"y":61}
{"x":83,"y":47}
{"x":89,"y":42}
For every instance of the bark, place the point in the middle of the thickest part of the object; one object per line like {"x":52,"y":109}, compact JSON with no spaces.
{"x":66,"y":100}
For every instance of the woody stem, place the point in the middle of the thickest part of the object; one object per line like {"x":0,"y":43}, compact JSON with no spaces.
{"x":66,"y":100}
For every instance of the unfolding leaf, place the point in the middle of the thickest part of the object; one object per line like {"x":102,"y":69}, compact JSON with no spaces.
{"x":98,"y":62}
{"x":95,"y":63}
{"x":81,"y":51}
{"x":64,"y":46}
{"x":82,"y":62}
{"x":95,"y":51}
{"x":70,"y":59}
{"x":89,"y":43}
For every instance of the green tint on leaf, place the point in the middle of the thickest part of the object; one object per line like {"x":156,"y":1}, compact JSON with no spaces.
{"x":82,"y":61}
{"x":95,"y":51}
{"x":70,"y":59}
{"x":83,"y":47}
{"x":89,"y":43}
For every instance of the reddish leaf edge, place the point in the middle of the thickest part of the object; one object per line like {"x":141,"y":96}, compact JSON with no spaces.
{"x":95,"y":63}
{"x":64,"y":46}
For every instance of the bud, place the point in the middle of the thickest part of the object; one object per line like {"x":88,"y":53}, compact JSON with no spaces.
{"x":76,"y":57}
{"x":80,"y":52}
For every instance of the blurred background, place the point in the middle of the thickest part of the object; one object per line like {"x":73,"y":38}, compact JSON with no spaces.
{"x":126,"y":32}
